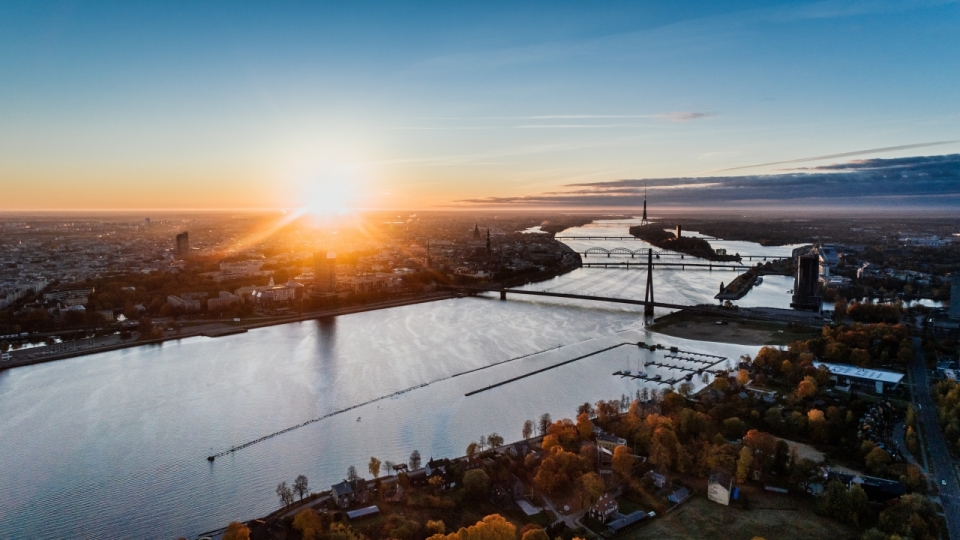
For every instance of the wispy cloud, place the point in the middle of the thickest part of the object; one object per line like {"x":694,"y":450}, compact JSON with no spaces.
{"x":841,"y":155}
{"x":685,"y":116}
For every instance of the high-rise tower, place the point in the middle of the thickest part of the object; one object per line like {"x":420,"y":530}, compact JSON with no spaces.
{"x":183,"y":245}
{"x":644,"y":221}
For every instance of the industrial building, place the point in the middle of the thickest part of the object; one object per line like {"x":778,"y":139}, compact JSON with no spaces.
{"x":848,"y":377}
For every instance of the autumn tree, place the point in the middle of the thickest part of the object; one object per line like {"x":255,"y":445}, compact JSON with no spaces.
{"x":436,"y":527}
{"x":623,"y":461}
{"x":374,"y":467}
{"x":492,"y":527}
{"x":527,"y":429}
{"x":236,"y":531}
{"x":472,"y":449}
{"x":535,"y":534}
{"x":301,"y":486}
{"x":807,"y":387}
{"x":584,"y":426}
{"x":744,"y":463}
{"x":592,"y":485}
{"x":309,"y":524}
{"x":558,"y":470}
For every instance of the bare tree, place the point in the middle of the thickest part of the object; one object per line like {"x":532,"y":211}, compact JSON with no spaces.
{"x":415,"y":460}
{"x":352,"y":473}
{"x":483,"y":442}
{"x":545,"y":422}
{"x":527,"y":429}
{"x":388,"y":466}
{"x":285,"y":494}
{"x":301,"y":486}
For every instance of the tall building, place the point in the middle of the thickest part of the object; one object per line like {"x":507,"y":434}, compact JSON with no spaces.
{"x":183,"y":245}
{"x":325,"y":271}
{"x":955,"y":297}
{"x":806,"y":286}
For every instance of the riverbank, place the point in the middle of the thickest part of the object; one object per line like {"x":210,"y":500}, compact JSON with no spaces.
{"x":217,"y":329}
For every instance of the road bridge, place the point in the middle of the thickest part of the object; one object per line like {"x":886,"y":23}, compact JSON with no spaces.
{"x":504,"y":291}
{"x":680,"y":265}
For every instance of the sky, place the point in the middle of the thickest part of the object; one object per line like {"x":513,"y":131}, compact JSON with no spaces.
{"x":420,"y":105}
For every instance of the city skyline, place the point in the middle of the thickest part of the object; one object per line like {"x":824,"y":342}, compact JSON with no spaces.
{"x":329,"y":109}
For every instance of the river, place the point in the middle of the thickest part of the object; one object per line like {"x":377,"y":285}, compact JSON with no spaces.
{"x":115,"y":444}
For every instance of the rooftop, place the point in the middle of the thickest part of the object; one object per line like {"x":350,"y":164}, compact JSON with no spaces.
{"x":855,"y":372}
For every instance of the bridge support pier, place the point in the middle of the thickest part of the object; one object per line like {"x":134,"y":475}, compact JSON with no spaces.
{"x":503,"y":295}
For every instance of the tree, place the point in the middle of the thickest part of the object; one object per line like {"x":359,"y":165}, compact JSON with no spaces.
{"x":535,"y":534}
{"x":743,"y":377}
{"x":472,"y":449}
{"x":388,"y":466}
{"x":492,"y":527}
{"x":584,"y":426}
{"x":858,"y":503}
{"x":807,"y":387}
{"x":744,"y":464}
{"x":527,"y":429}
{"x":476,"y":483}
{"x":483,"y":442}
{"x":285,"y":494}
{"x":436,"y":527}
{"x":877,"y":459}
{"x":308,"y":523}
{"x":415,"y":460}
{"x":592,"y":485}
{"x":301,"y":486}
{"x":623,"y":461}
{"x":374,"y":467}
{"x":494,"y":440}
{"x":236,"y":531}
{"x":352,"y":473}
{"x":545,"y":422}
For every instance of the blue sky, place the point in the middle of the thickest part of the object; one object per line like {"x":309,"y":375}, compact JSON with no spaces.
{"x":419,"y":105}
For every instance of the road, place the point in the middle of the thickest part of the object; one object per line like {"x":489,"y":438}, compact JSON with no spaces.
{"x":940,"y":457}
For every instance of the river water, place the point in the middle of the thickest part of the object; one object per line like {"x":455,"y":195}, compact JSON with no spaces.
{"x":115,"y":444}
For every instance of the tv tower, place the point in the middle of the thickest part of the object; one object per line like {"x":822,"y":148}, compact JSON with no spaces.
{"x":644,"y":221}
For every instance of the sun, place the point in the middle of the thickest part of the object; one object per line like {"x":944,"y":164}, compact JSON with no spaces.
{"x":331,"y":193}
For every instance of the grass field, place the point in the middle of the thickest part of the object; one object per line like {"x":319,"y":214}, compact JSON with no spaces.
{"x":704,"y":328}
{"x":771,"y":516}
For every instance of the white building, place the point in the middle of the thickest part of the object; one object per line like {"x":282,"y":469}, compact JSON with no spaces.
{"x":847,"y":376}
{"x":719,"y":487}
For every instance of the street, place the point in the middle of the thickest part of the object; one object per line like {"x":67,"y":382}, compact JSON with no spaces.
{"x":941,"y":460}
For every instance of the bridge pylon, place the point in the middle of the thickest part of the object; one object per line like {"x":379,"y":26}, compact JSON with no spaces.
{"x":648,"y":296}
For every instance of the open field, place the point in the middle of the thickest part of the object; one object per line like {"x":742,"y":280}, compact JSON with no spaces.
{"x":705,"y":328}
{"x":770,"y":516}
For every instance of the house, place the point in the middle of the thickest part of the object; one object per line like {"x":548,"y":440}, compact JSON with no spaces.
{"x":350,"y":491}
{"x":658,"y":479}
{"x":604,"y":508}
{"x":342,"y":493}
{"x":719,"y":487}
{"x":609,"y":442}
{"x":846,"y":376}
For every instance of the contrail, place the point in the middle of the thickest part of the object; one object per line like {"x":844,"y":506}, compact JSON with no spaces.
{"x":845,"y":154}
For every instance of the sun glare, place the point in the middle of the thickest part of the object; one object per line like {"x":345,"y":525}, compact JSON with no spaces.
{"x":331,"y":193}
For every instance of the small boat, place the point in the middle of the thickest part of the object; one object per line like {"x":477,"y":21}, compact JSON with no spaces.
{"x":358,"y":419}
{"x":758,"y":281}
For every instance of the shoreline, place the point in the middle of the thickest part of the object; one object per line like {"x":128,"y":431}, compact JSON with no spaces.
{"x":231,"y":329}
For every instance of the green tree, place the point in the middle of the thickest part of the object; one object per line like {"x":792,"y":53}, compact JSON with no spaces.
{"x":495,"y":440}
{"x":476,"y":483}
